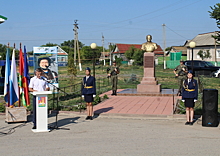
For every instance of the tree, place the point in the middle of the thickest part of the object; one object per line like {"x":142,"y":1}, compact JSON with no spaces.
{"x":89,"y":53}
{"x":68,"y":49}
{"x":204,"y":54}
{"x":49,"y":45}
{"x":215,"y":14}
{"x":136,"y":55}
{"x":168,"y":48}
{"x":130,"y":52}
{"x":72,"y":71}
{"x":70,"y":43}
{"x":3,"y":52}
{"x":111,"y":46}
{"x":118,"y":60}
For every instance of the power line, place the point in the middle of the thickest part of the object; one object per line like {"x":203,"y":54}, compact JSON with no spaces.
{"x":175,"y":32}
{"x":149,"y":12}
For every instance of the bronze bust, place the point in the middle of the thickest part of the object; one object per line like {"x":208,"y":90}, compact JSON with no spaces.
{"x":149,"y":46}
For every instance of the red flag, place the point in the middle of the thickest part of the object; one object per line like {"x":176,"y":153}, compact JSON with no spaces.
{"x":26,"y":78}
{"x":21,"y":75}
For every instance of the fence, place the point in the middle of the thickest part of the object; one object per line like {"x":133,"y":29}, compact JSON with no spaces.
{"x":70,"y":96}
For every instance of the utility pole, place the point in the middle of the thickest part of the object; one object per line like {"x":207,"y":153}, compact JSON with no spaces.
{"x":110,"y":63}
{"x":215,"y":49}
{"x":164,"y":46}
{"x":103,"y":51}
{"x":76,"y":44}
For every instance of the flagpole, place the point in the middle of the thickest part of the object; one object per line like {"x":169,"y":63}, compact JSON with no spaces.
{"x":18,"y":88}
{"x":8,"y":82}
{"x":19,"y":97}
{"x":14,"y":97}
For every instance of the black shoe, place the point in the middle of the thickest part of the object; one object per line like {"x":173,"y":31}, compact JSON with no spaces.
{"x":88,"y":117}
{"x":187,"y":123}
{"x":91,"y":118}
{"x":191,"y":123}
{"x":34,"y":127}
{"x":114,"y":93}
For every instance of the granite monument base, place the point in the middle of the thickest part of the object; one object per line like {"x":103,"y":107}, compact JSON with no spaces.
{"x":149,"y":83}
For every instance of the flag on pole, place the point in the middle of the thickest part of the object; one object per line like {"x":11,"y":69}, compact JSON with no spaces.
{"x":21,"y":75}
{"x":13,"y":82}
{"x":7,"y":74}
{"x":2,"y":19}
{"x":26,"y":78}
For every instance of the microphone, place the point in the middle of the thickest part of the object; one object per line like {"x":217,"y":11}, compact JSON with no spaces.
{"x":43,"y":78}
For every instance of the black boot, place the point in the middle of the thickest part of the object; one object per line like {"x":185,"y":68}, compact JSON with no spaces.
{"x":115,"y":93}
{"x":112,"y":93}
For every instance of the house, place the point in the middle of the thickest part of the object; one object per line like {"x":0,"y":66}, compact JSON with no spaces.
{"x":179,"y":49}
{"x":120,"y":50}
{"x":104,"y":56}
{"x":62,"y":57}
{"x":204,"y":42}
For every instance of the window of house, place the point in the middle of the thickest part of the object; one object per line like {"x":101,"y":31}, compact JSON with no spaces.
{"x":218,"y":53}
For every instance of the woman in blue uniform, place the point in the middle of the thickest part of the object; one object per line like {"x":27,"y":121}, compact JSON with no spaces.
{"x":189,"y":96}
{"x":89,"y":92}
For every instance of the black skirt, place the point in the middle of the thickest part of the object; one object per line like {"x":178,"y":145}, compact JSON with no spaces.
{"x":88,"y":98}
{"x":189,"y":102}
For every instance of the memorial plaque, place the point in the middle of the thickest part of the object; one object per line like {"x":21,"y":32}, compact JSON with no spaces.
{"x":148,"y":61}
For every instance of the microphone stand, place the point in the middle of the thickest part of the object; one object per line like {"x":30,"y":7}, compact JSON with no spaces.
{"x":58,"y":89}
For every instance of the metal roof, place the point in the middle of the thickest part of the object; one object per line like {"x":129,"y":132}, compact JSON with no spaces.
{"x":205,"y":39}
{"x":122,"y":48}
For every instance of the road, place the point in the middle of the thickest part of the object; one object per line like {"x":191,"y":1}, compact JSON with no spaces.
{"x":110,"y":136}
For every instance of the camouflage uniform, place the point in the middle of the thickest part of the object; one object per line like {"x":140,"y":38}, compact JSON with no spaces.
{"x":114,"y":78}
{"x":181,"y":75}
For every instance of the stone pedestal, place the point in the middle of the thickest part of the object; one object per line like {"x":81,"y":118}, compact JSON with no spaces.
{"x":149,"y":83}
{"x":16,"y":114}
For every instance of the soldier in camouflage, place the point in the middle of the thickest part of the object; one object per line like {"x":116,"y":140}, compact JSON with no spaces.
{"x":114,"y":71}
{"x":180,"y":72}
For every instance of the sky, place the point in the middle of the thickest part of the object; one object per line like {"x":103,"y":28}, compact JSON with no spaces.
{"x":35,"y":23}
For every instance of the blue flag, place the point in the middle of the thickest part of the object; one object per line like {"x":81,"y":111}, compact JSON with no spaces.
{"x":26,"y":78}
{"x":7,"y":74}
{"x":13,"y":81}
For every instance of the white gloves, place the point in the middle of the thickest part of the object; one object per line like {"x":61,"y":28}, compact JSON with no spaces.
{"x":194,"y":100}
{"x":92,"y":95}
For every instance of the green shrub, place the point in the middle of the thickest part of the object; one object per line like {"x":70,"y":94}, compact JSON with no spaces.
{"x":2,"y":107}
{"x":105,"y":97}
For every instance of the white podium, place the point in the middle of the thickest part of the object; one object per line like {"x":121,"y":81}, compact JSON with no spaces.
{"x":41,"y":111}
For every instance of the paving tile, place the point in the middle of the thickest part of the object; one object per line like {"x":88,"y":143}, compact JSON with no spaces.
{"x":149,"y":105}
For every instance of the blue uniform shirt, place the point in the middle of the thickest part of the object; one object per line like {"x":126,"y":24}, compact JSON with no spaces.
{"x":190,"y":89}
{"x":89,"y":86}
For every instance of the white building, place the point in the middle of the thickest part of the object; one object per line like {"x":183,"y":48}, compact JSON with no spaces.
{"x":204,"y":42}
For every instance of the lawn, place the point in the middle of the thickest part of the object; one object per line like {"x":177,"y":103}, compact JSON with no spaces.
{"x":165,"y":77}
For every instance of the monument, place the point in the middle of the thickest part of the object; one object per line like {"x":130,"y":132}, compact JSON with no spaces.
{"x":149,"y":83}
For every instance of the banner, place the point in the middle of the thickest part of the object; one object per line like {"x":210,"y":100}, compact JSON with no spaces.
{"x":46,"y":59}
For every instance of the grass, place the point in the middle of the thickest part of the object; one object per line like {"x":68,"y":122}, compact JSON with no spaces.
{"x":165,"y":77}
